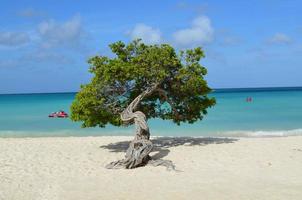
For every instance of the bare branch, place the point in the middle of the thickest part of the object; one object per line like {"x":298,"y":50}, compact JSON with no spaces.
{"x":163,"y":93}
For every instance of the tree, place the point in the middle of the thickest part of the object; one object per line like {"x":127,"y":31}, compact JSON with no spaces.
{"x":142,"y":82}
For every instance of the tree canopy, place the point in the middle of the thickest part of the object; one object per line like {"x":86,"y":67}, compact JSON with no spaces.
{"x":180,"y":94}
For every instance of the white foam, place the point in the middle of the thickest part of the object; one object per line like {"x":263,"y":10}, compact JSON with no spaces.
{"x":64,"y":133}
{"x":128,"y":132}
{"x":276,"y":133}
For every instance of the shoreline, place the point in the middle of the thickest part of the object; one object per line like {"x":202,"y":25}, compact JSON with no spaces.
{"x":82,"y":134}
{"x":151,"y":137}
{"x":212,"y":168}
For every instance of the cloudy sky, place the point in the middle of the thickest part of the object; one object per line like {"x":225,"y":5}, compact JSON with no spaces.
{"x":44,"y":45}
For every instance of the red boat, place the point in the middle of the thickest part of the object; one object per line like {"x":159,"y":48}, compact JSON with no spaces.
{"x":60,"y":114}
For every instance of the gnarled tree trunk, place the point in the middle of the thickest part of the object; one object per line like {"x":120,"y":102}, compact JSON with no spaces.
{"x":139,"y":149}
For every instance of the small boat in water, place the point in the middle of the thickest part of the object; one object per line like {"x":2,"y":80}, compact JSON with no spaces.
{"x":60,"y":114}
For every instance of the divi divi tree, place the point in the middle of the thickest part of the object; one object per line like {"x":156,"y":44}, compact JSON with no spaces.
{"x":138,"y":83}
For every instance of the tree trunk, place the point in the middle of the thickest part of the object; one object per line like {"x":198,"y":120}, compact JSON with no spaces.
{"x":138,"y":152}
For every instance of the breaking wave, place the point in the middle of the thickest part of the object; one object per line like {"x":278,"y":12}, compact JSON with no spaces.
{"x":277,"y":133}
{"x":130,"y":132}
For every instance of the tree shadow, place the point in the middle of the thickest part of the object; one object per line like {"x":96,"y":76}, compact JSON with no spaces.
{"x":161,"y":144}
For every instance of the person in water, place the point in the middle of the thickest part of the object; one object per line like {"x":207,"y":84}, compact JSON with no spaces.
{"x":249,"y":99}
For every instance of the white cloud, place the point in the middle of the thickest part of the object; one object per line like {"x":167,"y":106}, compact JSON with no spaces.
{"x":8,"y":63}
{"x":46,"y":57}
{"x":13,"y":38}
{"x":30,"y":12}
{"x":36,"y":58}
{"x":148,"y":34}
{"x":68,"y":33}
{"x":279,"y":38}
{"x":200,"y":32}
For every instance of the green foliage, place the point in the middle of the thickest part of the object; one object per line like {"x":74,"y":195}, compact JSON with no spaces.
{"x":181,"y":95}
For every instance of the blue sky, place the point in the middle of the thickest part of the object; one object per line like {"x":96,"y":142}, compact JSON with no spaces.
{"x":44,"y":45}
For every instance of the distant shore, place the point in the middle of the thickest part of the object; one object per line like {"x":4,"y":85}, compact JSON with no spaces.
{"x":208,"y":168}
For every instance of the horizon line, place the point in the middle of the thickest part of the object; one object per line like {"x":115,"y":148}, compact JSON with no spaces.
{"x":214,"y":89}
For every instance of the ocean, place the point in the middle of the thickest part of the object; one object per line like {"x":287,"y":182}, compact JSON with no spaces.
{"x":272,"y":112}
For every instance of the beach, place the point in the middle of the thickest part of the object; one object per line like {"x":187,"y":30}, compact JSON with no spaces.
{"x":199,"y":99}
{"x":206,"y":168}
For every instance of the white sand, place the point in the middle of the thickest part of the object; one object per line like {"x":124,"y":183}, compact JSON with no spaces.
{"x":73,"y":168}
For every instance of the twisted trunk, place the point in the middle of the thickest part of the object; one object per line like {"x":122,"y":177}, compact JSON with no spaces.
{"x":139,"y":149}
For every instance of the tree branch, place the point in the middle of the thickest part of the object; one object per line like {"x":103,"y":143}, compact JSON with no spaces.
{"x":165,"y":96}
{"x":127,"y":113}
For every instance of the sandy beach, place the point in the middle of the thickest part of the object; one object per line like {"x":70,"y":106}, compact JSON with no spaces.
{"x":207,"y":168}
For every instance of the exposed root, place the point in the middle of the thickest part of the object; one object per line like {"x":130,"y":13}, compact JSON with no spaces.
{"x":137,"y":155}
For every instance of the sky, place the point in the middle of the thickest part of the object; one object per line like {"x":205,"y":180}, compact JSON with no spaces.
{"x":45,"y":45}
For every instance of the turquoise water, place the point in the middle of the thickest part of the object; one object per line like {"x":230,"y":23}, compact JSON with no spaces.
{"x":273,"y":111}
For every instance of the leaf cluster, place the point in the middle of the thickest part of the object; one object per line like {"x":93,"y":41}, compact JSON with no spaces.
{"x":181,"y":96}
